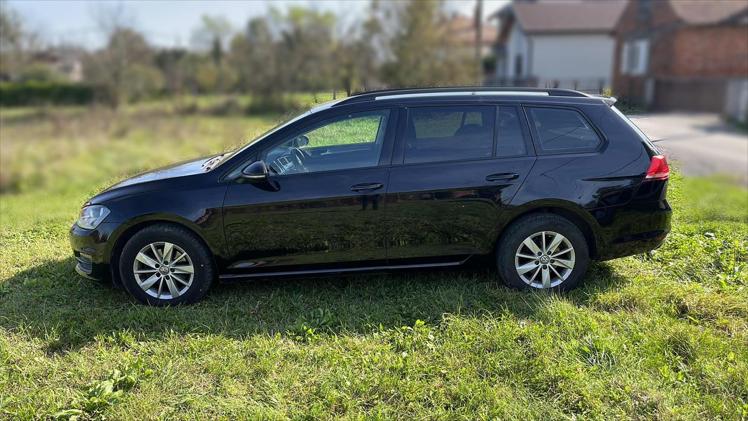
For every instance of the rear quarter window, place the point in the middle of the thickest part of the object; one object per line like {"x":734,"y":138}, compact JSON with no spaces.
{"x":562,"y":130}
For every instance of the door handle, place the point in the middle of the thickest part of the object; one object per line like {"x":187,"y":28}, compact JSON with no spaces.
{"x":505,"y":176}
{"x":366,"y":187}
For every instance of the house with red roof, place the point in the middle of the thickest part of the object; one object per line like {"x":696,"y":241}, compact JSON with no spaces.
{"x":684,"y":54}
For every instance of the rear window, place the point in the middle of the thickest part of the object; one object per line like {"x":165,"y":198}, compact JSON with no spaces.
{"x":652,"y":150}
{"x":436,"y":134}
{"x":563,"y":130}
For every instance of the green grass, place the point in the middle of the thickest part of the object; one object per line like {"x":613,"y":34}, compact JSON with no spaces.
{"x":663,"y":335}
{"x":351,"y":131}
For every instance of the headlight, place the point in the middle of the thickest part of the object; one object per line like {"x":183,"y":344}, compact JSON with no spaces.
{"x":91,"y":216}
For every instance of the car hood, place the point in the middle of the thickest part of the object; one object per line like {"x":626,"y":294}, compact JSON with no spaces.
{"x":136,"y":184}
{"x":172,"y":171}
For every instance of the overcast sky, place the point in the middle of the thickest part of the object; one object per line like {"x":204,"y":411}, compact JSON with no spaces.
{"x":170,"y":22}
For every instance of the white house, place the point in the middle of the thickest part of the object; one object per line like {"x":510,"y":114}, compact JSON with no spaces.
{"x":557,"y":43}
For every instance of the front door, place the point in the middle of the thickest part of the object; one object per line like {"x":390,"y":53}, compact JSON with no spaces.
{"x":323,"y":205}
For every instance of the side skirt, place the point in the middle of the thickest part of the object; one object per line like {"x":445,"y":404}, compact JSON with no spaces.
{"x":292,"y":273}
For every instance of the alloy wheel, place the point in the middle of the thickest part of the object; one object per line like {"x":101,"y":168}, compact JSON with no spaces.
{"x":544,"y":259}
{"x":163,"y":270}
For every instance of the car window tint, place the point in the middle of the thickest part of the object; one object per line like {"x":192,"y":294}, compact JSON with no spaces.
{"x":511,"y":141}
{"x":351,"y":141}
{"x":444,"y":134}
{"x":563,"y":130}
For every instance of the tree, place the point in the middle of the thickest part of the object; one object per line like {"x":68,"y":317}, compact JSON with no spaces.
{"x":172,"y":62}
{"x":254,"y":54}
{"x":212,"y":36}
{"x":17,"y":43}
{"x":307,"y":47}
{"x":124,"y":68}
{"x":358,"y":54}
{"x":421,"y":51}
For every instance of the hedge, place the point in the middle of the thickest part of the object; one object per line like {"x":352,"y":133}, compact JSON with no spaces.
{"x":37,"y":93}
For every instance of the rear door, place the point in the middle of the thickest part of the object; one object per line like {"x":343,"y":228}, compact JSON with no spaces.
{"x":455,"y":167}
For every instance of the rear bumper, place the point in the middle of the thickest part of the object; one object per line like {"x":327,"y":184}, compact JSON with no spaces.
{"x":636,"y":231}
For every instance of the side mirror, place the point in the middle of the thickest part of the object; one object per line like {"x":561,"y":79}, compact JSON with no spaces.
{"x":256,"y":171}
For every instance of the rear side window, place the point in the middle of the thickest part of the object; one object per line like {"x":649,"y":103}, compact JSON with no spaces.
{"x":563,"y":130}
{"x":511,"y":140}
{"x":436,"y":134}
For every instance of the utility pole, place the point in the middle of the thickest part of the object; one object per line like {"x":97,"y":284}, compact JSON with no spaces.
{"x":479,"y":40}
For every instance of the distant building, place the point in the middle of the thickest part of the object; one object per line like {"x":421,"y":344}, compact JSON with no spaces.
{"x":552,"y":43}
{"x":65,"y":61}
{"x":692,"y":55}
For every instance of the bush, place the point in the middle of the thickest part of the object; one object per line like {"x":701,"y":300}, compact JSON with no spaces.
{"x":36,"y":93}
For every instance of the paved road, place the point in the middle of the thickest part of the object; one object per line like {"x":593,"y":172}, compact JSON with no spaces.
{"x":702,"y":144}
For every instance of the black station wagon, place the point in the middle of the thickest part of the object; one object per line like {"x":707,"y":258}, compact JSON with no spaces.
{"x":542,"y":181}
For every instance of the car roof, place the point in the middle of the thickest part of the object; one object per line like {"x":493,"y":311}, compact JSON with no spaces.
{"x":476,"y":93}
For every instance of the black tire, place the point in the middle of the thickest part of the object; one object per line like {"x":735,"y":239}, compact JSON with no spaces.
{"x":526,"y":227}
{"x":199,"y":255}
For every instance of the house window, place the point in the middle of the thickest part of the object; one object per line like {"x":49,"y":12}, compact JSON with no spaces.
{"x":634,"y":57}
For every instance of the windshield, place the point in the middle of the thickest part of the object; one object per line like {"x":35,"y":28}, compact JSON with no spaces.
{"x":226,"y":155}
{"x":220,"y":159}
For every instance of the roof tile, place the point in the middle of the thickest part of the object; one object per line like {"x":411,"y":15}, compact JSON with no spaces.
{"x":569,"y":15}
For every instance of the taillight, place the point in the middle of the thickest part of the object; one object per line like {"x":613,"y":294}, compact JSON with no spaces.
{"x":658,"y":169}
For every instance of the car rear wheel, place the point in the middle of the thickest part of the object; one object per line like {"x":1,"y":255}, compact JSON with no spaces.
{"x":543,"y":251}
{"x":166,"y":265}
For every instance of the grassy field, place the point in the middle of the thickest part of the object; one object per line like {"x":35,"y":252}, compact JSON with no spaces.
{"x":663,"y":335}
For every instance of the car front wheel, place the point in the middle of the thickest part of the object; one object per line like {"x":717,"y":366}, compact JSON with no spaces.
{"x":166,"y":265}
{"x":543,"y":251}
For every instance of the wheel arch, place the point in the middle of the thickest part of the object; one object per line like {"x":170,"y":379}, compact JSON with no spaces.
{"x":568,"y":210}
{"x":130,"y":229}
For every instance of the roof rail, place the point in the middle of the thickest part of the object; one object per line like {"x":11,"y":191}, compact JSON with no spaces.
{"x":457,"y":90}
{"x":608,"y":100}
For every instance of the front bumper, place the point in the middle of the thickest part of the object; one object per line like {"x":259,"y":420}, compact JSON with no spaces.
{"x":92,"y":250}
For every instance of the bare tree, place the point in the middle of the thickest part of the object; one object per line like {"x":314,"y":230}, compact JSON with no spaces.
{"x":212,"y":35}
{"x":17,"y":43}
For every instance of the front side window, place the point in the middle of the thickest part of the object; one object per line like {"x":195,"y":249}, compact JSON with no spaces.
{"x":436,"y":134}
{"x":350,"y":141}
{"x":563,"y":130}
